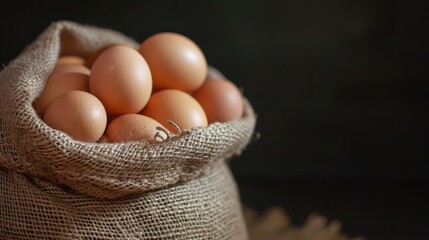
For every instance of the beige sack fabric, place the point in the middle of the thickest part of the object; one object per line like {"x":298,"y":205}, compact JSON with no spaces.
{"x":54,"y":187}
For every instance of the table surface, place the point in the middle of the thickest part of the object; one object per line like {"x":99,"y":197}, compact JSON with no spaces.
{"x":377,"y":209}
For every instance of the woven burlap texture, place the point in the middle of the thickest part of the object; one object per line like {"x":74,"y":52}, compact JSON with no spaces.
{"x":54,"y":187}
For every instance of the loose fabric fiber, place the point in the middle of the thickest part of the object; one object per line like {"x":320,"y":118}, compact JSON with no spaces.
{"x":54,"y":187}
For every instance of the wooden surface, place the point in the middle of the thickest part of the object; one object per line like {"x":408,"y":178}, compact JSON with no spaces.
{"x":374,"y":209}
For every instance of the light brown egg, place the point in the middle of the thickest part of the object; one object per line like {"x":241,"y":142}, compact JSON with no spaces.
{"x":221,"y":100}
{"x":67,"y":59}
{"x":71,"y":67}
{"x":175,"y":61}
{"x":58,"y":84}
{"x":135,"y":127}
{"x":79,"y":114}
{"x":177,"y":106}
{"x":94,"y":55}
{"x":121,"y":79}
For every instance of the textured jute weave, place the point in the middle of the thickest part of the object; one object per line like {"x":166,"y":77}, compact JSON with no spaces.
{"x":54,"y":187}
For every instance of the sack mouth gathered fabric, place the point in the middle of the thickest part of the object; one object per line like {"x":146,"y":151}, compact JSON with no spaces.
{"x":103,"y":170}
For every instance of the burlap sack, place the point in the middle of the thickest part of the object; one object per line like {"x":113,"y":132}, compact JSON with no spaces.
{"x":54,"y":187}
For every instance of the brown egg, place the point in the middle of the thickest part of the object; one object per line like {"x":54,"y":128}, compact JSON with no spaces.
{"x":177,"y":106}
{"x":67,"y":59}
{"x":121,"y":79}
{"x":70,"y":67}
{"x":79,"y":114}
{"x":135,"y":127}
{"x":175,"y":61}
{"x":94,"y":55}
{"x":58,"y":84}
{"x":221,"y":100}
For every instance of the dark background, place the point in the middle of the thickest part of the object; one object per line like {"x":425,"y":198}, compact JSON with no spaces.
{"x":341,"y":89}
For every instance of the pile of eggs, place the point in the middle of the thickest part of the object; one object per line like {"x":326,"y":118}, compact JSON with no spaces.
{"x":122,"y":94}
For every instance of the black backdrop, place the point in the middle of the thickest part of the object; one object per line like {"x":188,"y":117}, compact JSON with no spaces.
{"x":341,"y":88}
